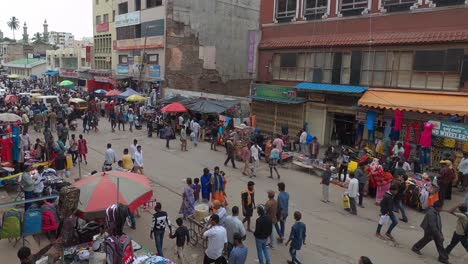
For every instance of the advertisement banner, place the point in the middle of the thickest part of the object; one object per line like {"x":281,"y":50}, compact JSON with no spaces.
{"x":154,"y":71}
{"x":156,"y":42}
{"x":103,"y":27}
{"x":455,"y":131}
{"x":122,"y":69}
{"x":128,"y":19}
{"x":68,"y":73}
{"x":252,"y":50}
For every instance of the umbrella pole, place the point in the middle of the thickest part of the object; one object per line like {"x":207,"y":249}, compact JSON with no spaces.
{"x":118,"y":189}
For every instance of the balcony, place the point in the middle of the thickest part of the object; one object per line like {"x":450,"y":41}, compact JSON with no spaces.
{"x":448,"y":2}
{"x":352,"y":7}
{"x":397,"y":5}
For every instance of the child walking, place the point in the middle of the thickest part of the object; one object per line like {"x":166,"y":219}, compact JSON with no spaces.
{"x":182,"y":236}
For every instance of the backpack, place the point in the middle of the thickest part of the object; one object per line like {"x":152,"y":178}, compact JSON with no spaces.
{"x":32,"y":221}
{"x":49,"y":217}
{"x":116,"y":216}
{"x":68,"y":201}
{"x":11,"y":224}
{"x":119,"y":250}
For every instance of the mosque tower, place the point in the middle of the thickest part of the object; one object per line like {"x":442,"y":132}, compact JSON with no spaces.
{"x":45,"y":35}
{"x":25,"y":34}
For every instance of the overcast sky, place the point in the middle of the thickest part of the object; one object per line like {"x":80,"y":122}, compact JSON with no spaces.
{"x":74,"y":16}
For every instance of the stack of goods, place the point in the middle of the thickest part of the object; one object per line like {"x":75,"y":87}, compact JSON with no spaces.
{"x":420,"y":192}
{"x":201,"y":212}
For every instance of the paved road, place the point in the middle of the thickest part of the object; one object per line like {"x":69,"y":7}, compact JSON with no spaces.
{"x":333,"y":236}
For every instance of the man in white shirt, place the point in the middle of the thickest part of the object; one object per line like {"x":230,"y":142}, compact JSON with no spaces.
{"x":110,"y":155}
{"x":139,"y":161}
{"x":254,"y":151}
{"x":181,"y":120}
{"x":303,"y":142}
{"x":233,"y":225}
{"x":463,"y":169}
{"x":38,"y":181}
{"x":353,"y":193}
{"x":133,"y":149}
{"x":406,"y":166}
{"x":217,"y":241}
{"x":195,"y":130}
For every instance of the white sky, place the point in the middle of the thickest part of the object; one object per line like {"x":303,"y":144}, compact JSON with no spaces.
{"x":74,"y":16}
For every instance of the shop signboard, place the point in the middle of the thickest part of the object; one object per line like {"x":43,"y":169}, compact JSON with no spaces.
{"x":156,"y":42}
{"x":154,"y":71}
{"x":275,"y":92}
{"x":68,"y":73}
{"x":128,"y":19}
{"x":455,"y":131}
{"x":122,"y":69}
{"x":103,"y":27}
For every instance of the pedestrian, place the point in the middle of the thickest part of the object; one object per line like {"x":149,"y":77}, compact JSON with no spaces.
{"x":314,"y":148}
{"x":246,"y":159}
{"x":196,"y":189}
{"x":274,"y":159}
{"x":27,"y":185}
{"x":255,"y":154}
{"x":26,"y":257}
{"x":248,"y":203}
{"x":344,"y":161}
{"x":85,"y":123}
{"x":120,"y":120}
{"x":159,"y":225}
{"x":38,"y":182}
{"x":297,"y":238}
{"x":131,"y":119}
{"x":233,"y":226}
{"x":463,"y":171}
{"x":217,"y":186}
{"x":263,"y":229}
{"x":460,"y":234}
{"x":220,"y":210}
{"x":230,"y":153}
{"x":205,"y":181}
{"x":195,"y":129}
{"x":127,"y":163}
{"x":73,"y":149}
{"x":444,"y":180}
{"x":362,"y":177}
{"x":398,"y":204}
{"x":432,"y":226}
{"x":217,"y":242}
{"x":353,"y":193}
{"x":109,"y":158}
{"x":133,"y":149}
{"x":326,"y":176}
{"x":214,"y":137}
{"x":82,"y":148}
{"x":182,"y":237}
{"x":386,"y":212}
{"x":364,"y":260}
{"x":303,"y":142}
{"x":113,"y":120}
{"x":282,"y":211}
{"x":183,"y":139}
{"x":271,"y":207}
{"x":239,"y":253}
{"x":278,"y":143}
{"x":138,"y":166}
{"x":188,"y":201}
{"x":168,"y":134}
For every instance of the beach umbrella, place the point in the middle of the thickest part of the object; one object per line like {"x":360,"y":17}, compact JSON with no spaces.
{"x":9,"y":117}
{"x":11,"y":99}
{"x":113,"y":93}
{"x":135,"y":98}
{"x":100,"y":91}
{"x":66,"y":83}
{"x":174,"y":108}
{"x":13,"y":76}
{"x":99,"y":191}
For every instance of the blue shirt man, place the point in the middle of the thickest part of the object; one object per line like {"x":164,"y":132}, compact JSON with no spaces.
{"x":297,"y":237}
{"x":205,"y":181}
{"x":239,"y":253}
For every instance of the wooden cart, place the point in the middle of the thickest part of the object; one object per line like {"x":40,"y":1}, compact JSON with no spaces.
{"x":196,"y":230}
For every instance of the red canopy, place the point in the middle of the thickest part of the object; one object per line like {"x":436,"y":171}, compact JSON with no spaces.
{"x":113,"y":93}
{"x":174,"y":108}
{"x":12,"y":99}
{"x":99,"y":191}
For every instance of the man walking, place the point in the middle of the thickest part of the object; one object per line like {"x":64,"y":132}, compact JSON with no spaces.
{"x":463,"y":170}
{"x":326,"y":176}
{"x":432,"y":226}
{"x":233,"y":226}
{"x":133,"y":149}
{"x":461,"y":230}
{"x":239,"y":252}
{"x":283,"y":205}
{"x":248,"y":203}
{"x":297,"y":238}
{"x":139,"y":161}
{"x":160,"y":223}
{"x":362,"y":178}
{"x":217,"y":241}
{"x":399,"y":197}
{"x":271,"y":207}
{"x":353,"y":192}
{"x":230,"y":153}
{"x":386,"y":210}
{"x":254,"y":152}
{"x":263,"y":229}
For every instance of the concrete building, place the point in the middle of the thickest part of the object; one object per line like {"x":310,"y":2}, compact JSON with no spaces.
{"x":70,"y":63}
{"x":60,"y":39}
{"x":103,"y":38}
{"x":329,"y":53}
{"x":25,"y":68}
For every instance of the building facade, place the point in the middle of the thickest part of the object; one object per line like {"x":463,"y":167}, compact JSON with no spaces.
{"x":60,"y":39}
{"x":334,"y":53}
{"x":70,"y":63}
{"x":26,"y":68}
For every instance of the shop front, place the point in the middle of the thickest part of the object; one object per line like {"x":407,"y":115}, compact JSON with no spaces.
{"x":430,"y":125}
{"x":100,"y":80}
{"x":77,"y":77}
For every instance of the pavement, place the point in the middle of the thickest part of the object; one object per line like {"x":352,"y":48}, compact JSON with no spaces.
{"x":333,"y":235}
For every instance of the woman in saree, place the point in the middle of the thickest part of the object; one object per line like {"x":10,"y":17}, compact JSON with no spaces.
{"x":188,"y":201}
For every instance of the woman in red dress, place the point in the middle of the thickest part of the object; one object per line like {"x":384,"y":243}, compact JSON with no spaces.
{"x":82,"y":148}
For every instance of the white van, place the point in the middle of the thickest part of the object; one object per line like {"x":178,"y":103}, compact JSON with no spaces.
{"x":48,"y":100}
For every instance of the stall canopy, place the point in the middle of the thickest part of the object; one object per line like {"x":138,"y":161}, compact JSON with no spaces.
{"x":323,"y":87}
{"x":211,"y":106}
{"x":446,"y":103}
{"x":51,"y":73}
{"x":127,"y":93}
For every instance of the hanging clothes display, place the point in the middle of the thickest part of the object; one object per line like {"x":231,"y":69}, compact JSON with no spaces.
{"x":425,"y":140}
{"x":398,"y":120}
{"x":370,"y":124}
{"x":7,"y":147}
{"x":388,"y":127}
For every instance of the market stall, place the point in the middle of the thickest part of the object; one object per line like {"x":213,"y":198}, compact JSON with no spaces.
{"x":242,"y":136}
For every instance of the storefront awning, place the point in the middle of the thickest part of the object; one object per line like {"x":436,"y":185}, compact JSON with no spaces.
{"x":450,"y":103}
{"x":323,"y":87}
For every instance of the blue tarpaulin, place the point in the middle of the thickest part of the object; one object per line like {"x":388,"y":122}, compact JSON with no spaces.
{"x":51,"y":73}
{"x":127,"y":93}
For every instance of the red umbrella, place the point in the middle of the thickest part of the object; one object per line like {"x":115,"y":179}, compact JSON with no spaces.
{"x":113,"y":93}
{"x":99,"y":191}
{"x":11,"y":99}
{"x":174,"y":108}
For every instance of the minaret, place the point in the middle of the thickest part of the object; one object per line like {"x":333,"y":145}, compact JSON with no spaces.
{"x":25,"y":34}
{"x":45,"y":35}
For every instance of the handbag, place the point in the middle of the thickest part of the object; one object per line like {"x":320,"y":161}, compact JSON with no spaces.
{"x":346,"y":204}
{"x":384,"y":219}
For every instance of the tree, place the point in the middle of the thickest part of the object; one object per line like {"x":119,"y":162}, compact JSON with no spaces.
{"x":37,"y":38}
{"x":13,"y":24}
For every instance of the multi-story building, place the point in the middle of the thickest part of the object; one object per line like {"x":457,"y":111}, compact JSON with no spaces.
{"x":60,"y":39}
{"x":102,"y":54}
{"x":26,"y":68}
{"x":334,"y":54}
{"x":70,"y":63}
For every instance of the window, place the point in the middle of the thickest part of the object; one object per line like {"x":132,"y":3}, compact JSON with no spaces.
{"x":137,"y":5}
{"x":352,"y":7}
{"x":312,"y":67}
{"x":113,"y":15}
{"x":98,"y":20}
{"x":57,"y":63}
{"x":153,"y":3}
{"x":129,"y":32}
{"x":105,"y":18}
{"x":315,"y":9}
{"x":123,"y":59}
{"x":152,"y":58}
{"x":123,"y":8}
{"x":285,"y":10}
{"x":448,"y":2}
{"x":83,"y":62}
{"x":438,"y":60}
{"x":397,"y":5}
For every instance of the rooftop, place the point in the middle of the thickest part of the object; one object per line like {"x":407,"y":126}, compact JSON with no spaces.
{"x":25,"y":63}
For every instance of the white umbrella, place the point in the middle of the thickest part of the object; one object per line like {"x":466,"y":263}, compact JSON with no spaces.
{"x":9,"y":117}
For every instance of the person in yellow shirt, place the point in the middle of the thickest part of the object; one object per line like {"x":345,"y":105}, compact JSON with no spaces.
{"x":127,"y":160}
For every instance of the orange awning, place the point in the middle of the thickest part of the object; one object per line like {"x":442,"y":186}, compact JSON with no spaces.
{"x":447,"y":103}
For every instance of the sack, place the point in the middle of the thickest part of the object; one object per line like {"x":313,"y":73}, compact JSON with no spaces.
{"x":68,"y":201}
{"x":346,"y":204}
{"x":50,"y":218}
{"x":69,"y":163}
{"x":32,"y":221}
{"x":69,"y":231}
{"x":119,"y":250}
{"x":11,"y":224}
{"x":384,"y":219}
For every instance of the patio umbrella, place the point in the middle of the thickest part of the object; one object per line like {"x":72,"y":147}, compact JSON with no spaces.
{"x":13,"y":76}
{"x":135,"y":98}
{"x":174,"y":108}
{"x":66,"y":83}
{"x":113,"y":93}
{"x":100,"y":91}
{"x":99,"y":191}
{"x":127,"y":93}
{"x":11,"y":99}
{"x":9,"y":117}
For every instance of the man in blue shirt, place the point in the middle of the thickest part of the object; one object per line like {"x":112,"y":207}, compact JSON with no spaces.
{"x":239,"y":252}
{"x":297,"y":238}
{"x":205,"y":181}
{"x":282,"y":211}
